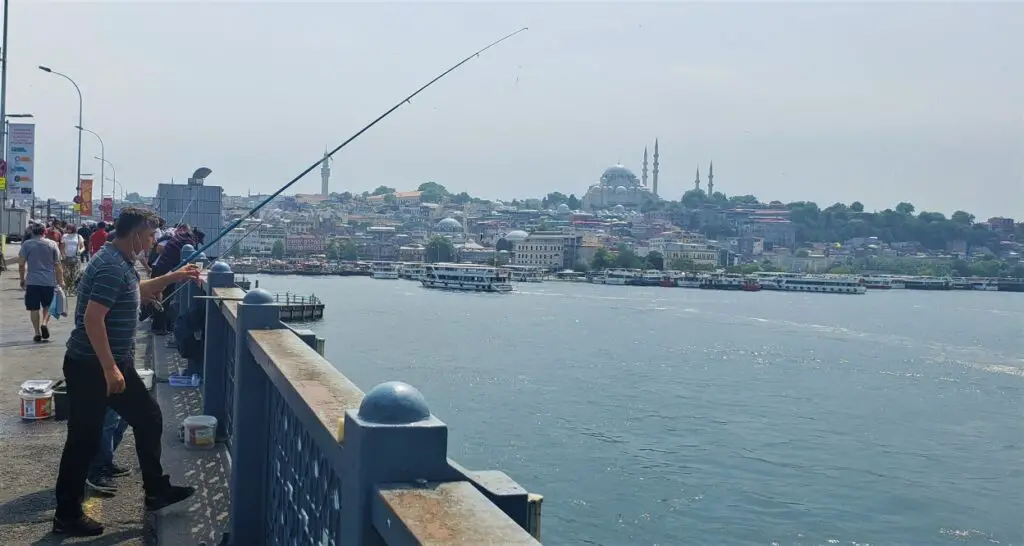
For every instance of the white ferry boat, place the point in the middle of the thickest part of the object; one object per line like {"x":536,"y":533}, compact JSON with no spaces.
{"x":826,"y":285}
{"x":985,"y":285}
{"x":468,"y":277}
{"x":928,"y":283}
{"x":650,"y":277}
{"x":618,"y":277}
{"x":684,"y":280}
{"x":770,"y":280}
{"x":525,"y":273}
{"x":384,"y":270}
{"x":411,"y":271}
{"x":878,"y":283}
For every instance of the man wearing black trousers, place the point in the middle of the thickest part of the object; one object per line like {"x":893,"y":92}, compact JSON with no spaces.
{"x":98,"y":373}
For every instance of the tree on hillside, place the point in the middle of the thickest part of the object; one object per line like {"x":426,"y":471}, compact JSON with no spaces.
{"x":654,"y":260}
{"x":603,"y":259}
{"x":432,"y":192}
{"x":905,"y":208}
{"x":573,"y":202}
{"x":857,"y":206}
{"x":277,"y":251}
{"x":349,"y":251}
{"x":383,"y":190}
{"x":627,"y":259}
{"x":440,"y":249}
{"x":962,"y":217}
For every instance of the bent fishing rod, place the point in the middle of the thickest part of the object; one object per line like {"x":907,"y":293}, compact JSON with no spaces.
{"x":327,"y":156}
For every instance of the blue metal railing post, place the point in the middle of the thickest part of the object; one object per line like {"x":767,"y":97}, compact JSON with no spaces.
{"x":214,"y":387}
{"x":249,"y":439}
{"x":391,"y":438}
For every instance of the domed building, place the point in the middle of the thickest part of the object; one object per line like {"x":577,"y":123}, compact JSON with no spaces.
{"x":449,"y":225}
{"x":617,"y":186}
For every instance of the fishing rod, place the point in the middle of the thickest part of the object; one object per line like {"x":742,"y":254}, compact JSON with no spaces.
{"x":330,"y":154}
{"x":252,"y":230}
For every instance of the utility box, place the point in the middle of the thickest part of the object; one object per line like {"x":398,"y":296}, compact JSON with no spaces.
{"x":193,"y":204}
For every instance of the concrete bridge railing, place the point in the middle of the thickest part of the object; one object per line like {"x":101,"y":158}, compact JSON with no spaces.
{"x":315,"y":461}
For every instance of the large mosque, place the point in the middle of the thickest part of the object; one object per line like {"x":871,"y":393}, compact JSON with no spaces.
{"x":619,"y":186}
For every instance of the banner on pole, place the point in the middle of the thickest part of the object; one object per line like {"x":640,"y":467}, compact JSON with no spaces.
{"x":85,"y":193}
{"x":108,"y":209}
{"x":21,"y":157}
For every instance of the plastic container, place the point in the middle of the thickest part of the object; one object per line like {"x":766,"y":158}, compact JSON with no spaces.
{"x":36,"y":399}
{"x":147,"y":378}
{"x":200,"y":432}
{"x":184,"y":380}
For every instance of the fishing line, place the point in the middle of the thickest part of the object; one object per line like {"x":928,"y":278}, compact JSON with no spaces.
{"x":252,"y":230}
{"x":327,"y":156}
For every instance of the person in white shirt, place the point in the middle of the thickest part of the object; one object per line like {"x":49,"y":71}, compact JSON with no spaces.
{"x":71,"y":246}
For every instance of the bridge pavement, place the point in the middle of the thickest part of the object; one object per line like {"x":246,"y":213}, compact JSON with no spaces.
{"x":30,"y":450}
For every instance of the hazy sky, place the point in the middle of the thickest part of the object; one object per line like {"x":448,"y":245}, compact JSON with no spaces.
{"x":826,"y":102}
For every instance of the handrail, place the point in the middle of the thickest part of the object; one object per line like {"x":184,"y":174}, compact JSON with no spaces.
{"x":313,"y":457}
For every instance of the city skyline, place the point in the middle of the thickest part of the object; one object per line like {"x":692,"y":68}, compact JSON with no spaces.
{"x":792,"y":101}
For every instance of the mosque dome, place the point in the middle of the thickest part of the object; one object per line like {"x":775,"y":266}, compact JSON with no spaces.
{"x":620,"y":189}
{"x":563,"y":209}
{"x":619,"y":209}
{"x":617,"y":175}
{"x":449,"y":224}
{"x":516,"y":235}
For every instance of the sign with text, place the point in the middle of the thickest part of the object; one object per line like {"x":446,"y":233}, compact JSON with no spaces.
{"x":85,"y":193}
{"x":108,"y":209}
{"x":21,"y":156}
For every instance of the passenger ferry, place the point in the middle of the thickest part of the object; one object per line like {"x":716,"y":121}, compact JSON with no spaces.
{"x":882,"y":283}
{"x":651,"y":277}
{"x":468,"y":277}
{"x":722,"y":282}
{"x":985,"y":285}
{"x":411,"y":271}
{"x":384,"y":270}
{"x":525,"y":273}
{"x":826,"y":285}
{"x":687,"y":280}
{"x":928,"y":283}
{"x":619,"y":277}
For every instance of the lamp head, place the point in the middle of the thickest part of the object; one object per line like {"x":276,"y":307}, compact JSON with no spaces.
{"x":45,"y":68}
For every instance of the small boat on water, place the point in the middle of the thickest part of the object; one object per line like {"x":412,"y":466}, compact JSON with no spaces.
{"x":824,"y":285}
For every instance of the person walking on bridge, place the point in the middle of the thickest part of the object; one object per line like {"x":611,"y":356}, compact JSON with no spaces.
{"x":40,"y":272}
{"x":99,"y":373}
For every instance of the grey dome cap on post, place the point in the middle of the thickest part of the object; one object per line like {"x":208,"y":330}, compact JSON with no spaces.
{"x":258,"y":296}
{"x":220,"y":267}
{"x":394,"y":403}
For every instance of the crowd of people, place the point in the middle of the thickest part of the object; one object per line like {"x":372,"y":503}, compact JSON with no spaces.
{"x":105,"y":393}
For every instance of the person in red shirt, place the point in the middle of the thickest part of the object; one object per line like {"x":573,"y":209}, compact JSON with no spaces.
{"x":98,"y":237}
{"x":54,"y":233}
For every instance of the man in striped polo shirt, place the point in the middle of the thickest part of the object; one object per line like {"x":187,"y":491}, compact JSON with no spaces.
{"x":99,"y":373}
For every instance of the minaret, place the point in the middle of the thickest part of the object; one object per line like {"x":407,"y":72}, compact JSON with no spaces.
{"x":643,"y":173}
{"x":325,"y":173}
{"x":711,"y":178}
{"x":654,"y":184}
{"x":696,"y":181}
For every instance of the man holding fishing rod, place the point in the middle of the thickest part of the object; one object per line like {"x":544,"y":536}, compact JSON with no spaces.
{"x":99,"y":372}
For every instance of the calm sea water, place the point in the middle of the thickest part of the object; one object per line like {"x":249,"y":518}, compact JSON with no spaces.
{"x":656,"y":416}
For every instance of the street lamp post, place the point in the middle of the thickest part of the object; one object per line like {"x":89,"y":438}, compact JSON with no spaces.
{"x":78,"y":180}
{"x":103,"y":161}
{"x":102,"y":157}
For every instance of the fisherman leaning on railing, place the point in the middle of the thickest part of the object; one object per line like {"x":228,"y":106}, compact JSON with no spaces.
{"x":97,"y":378}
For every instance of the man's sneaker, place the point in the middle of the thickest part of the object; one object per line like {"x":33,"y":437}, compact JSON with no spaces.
{"x":101,"y":483}
{"x":44,"y":332}
{"x":116,"y":471}
{"x":83,"y":526}
{"x":171,"y":495}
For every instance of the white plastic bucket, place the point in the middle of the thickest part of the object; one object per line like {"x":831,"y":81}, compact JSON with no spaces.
{"x":200,"y":432}
{"x":36,"y":399}
{"x":147,"y":378}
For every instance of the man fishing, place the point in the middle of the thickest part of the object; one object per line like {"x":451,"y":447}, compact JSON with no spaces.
{"x":99,"y":372}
